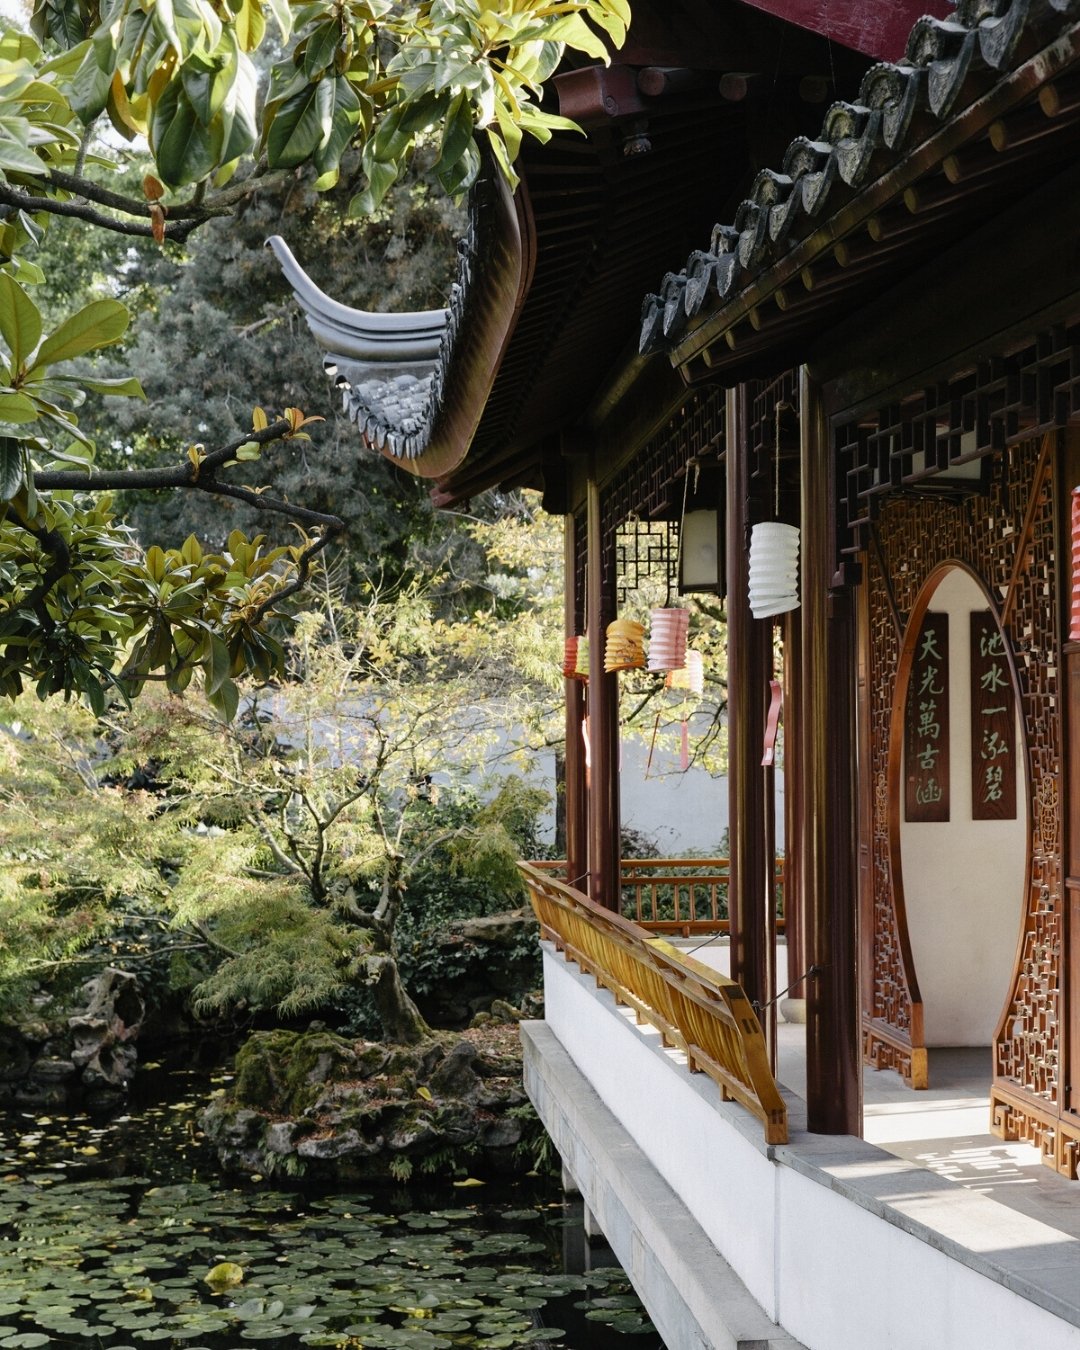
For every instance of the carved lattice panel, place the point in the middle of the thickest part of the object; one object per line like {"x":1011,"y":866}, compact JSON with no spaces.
{"x":915,"y":537}
{"x":942,"y":432}
{"x":891,"y":998}
{"x":647,"y":557}
{"x":650,"y":490}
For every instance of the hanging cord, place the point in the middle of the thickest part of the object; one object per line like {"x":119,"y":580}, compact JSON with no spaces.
{"x":760,"y":1007}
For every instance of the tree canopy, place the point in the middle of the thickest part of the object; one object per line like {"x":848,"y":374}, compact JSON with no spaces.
{"x":84,"y":607}
{"x":269,"y":861}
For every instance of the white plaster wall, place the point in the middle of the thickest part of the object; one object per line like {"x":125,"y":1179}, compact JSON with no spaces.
{"x":681,"y":811}
{"x":963,"y":879}
{"x":845,"y":1247}
{"x":850,"y":1280}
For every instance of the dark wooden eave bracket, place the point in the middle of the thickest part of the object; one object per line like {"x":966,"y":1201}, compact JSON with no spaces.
{"x":494,"y":304}
{"x":761,"y":315}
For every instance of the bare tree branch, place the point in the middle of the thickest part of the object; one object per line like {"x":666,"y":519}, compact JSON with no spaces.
{"x":184,"y":475}
{"x":23,"y":201}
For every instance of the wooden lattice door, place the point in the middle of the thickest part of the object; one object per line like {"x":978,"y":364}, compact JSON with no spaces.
{"x":1006,"y":537}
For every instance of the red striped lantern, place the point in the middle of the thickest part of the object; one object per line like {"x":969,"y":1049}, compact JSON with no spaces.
{"x":1074,"y":608}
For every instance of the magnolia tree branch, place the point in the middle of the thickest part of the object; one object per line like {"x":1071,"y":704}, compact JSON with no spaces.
{"x":24,"y":201}
{"x":180,"y":219}
{"x":201,"y":477}
{"x":184,"y":475}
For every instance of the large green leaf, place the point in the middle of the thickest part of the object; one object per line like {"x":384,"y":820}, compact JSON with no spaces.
{"x":225,"y":700}
{"x":11,"y":467}
{"x":200,"y":73}
{"x":321,"y":48}
{"x":299,"y":126}
{"x":96,"y":325}
{"x":344,"y":120}
{"x":20,"y":321}
{"x":457,"y":131}
{"x":15,"y":155}
{"x":181,"y":144}
{"x":19,"y":47}
{"x":17,"y":408}
{"x":120,"y":387}
{"x":250,"y":24}
{"x":217,"y":665}
{"x":90,"y":87}
{"x":236,"y":122}
{"x":381,"y":177}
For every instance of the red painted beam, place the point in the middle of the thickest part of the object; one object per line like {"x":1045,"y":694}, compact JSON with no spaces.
{"x":878,"y":28}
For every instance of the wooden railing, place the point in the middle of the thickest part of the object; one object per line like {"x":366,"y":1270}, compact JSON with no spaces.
{"x":678,"y":895}
{"x":694,"y":1007}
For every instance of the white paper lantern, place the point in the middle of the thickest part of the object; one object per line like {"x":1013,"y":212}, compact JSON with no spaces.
{"x":774,"y":569}
{"x":690,"y":677}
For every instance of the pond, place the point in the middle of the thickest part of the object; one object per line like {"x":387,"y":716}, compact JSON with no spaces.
{"x":119,"y":1233}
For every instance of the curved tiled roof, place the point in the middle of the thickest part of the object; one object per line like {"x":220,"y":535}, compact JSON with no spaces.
{"x":384,"y":364}
{"x":393,"y":369}
{"x":899,"y":105}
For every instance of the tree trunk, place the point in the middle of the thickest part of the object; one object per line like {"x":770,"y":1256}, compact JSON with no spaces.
{"x":401,"y":1021}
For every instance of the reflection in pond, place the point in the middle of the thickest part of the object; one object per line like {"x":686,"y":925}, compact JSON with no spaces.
{"x":115,"y":1234}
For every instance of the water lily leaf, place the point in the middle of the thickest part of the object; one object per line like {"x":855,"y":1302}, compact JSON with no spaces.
{"x":225,"y":1275}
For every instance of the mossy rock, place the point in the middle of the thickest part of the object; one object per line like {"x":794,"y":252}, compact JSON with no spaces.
{"x":287,"y":1072}
{"x":333,"y":1109}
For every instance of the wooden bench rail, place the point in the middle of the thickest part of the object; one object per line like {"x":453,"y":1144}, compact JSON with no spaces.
{"x":693,"y":1006}
{"x":677,"y":895}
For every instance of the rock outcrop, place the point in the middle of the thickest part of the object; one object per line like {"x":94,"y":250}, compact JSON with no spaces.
{"x":77,"y":1051}
{"x":318,"y":1104}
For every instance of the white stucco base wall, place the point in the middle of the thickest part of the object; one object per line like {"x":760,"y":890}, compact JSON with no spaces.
{"x":833,"y":1243}
{"x":633,"y":1076}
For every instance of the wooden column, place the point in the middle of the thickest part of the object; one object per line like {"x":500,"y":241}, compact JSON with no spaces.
{"x":575,"y":801}
{"x":833,"y":1068}
{"x":603,"y":707}
{"x":794,"y":896}
{"x":1068,"y":477}
{"x":749,"y":643}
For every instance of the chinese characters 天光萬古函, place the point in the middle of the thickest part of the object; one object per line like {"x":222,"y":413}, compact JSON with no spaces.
{"x":926,"y":724}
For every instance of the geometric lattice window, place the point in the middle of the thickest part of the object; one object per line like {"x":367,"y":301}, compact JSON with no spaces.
{"x":647,"y":560}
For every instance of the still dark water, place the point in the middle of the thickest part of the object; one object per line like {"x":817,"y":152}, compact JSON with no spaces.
{"x":115,"y":1234}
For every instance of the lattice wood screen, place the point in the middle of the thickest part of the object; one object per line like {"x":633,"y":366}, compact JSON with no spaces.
{"x":915,"y":537}
{"x":649,"y":489}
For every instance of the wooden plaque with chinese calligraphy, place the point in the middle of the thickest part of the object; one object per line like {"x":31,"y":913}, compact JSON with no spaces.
{"x":926,"y":724}
{"x":993,"y":724}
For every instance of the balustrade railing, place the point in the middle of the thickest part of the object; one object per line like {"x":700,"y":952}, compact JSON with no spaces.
{"x":694,"y":1007}
{"x":677,"y":895}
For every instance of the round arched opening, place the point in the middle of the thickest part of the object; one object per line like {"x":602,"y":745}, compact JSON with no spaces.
{"x":961,"y":880}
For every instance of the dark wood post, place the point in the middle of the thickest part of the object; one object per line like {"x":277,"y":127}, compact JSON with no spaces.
{"x":833,"y":1069}
{"x":749,"y":658}
{"x":768,"y":850}
{"x":794,"y":898}
{"x":603,"y":704}
{"x":1068,"y":477}
{"x":575,"y":801}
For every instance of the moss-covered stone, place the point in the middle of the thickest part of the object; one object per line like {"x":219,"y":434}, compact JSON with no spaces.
{"x":315,"y":1103}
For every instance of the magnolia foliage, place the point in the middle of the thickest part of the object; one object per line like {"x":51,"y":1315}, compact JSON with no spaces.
{"x":83,"y":607}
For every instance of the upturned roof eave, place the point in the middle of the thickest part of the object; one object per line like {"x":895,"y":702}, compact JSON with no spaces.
{"x":447,"y":359}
